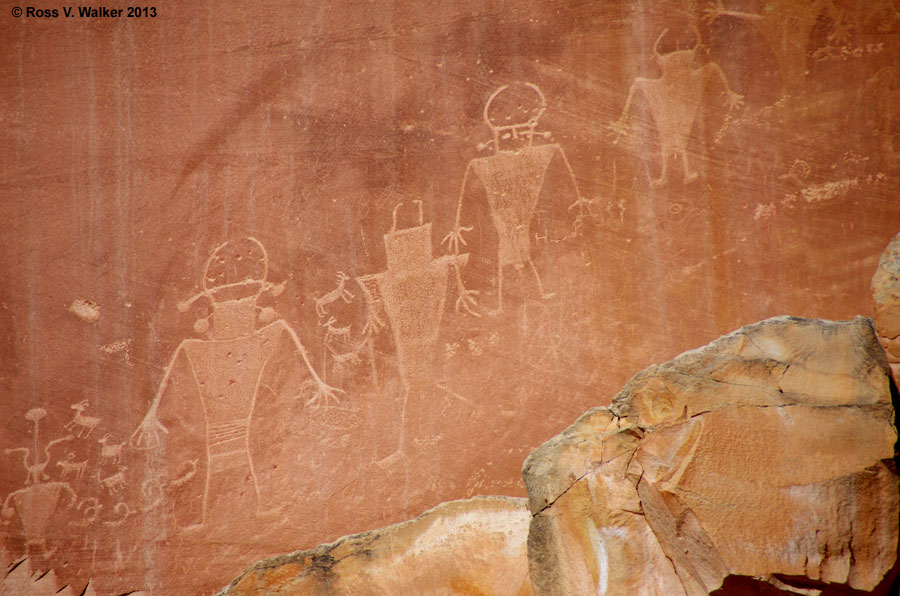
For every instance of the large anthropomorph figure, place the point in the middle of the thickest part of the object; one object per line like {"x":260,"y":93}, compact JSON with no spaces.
{"x":513,"y":177}
{"x":248,"y":354}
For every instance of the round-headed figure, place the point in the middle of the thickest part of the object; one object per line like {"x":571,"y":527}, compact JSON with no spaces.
{"x":227,"y":370}
{"x":513,"y":178}
{"x":233,"y":279}
{"x":512,"y":113}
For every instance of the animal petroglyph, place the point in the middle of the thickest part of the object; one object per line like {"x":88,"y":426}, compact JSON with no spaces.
{"x":674,"y":100}
{"x":227,"y":368}
{"x":340,"y":292}
{"x":412,"y":291}
{"x":72,"y":468}
{"x":884,"y":86}
{"x":110,"y":452}
{"x":37,"y":502}
{"x":332,"y":332}
{"x":513,"y":177}
{"x":123,"y":512}
{"x":90,"y":510}
{"x":85,"y":424}
{"x":113,"y":483}
{"x":86,"y":310}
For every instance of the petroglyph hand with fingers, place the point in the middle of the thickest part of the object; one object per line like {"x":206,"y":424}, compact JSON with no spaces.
{"x":454,"y":239}
{"x":147,"y":435}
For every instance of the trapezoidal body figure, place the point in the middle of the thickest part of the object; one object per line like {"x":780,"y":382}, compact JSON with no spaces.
{"x":248,"y":349}
{"x":412,"y":291}
{"x":36,"y":503}
{"x":674,"y":100}
{"x":513,"y":177}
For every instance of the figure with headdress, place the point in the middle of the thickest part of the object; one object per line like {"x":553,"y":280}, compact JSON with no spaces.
{"x":246,"y":345}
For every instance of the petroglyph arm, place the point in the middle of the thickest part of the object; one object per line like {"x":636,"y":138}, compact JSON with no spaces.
{"x":466,"y":300}
{"x":454,"y":238}
{"x":580,"y":201}
{"x":324,"y":393}
{"x":147,"y":434}
{"x":620,"y":126}
{"x":733,"y":100}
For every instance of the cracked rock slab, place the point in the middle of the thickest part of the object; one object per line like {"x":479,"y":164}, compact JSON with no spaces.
{"x":760,"y":463}
{"x":474,"y":546}
{"x":886,"y":291}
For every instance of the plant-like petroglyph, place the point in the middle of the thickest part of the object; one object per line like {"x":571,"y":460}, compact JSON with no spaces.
{"x":227,"y":368}
{"x":85,"y":424}
{"x":674,"y":100}
{"x":513,"y":177}
{"x":37,"y":502}
{"x":36,"y":470}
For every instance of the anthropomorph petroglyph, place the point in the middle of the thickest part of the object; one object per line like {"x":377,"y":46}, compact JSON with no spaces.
{"x":37,"y":502}
{"x":513,"y":177}
{"x":226,"y":369}
{"x":674,"y":100}
{"x":412,"y":291}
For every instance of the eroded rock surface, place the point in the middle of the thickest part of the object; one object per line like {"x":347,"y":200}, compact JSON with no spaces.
{"x":475,"y":546}
{"x":763,"y":460}
{"x":886,"y":290}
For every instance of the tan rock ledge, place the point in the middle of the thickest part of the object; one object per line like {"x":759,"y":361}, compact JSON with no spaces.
{"x":760,"y":463}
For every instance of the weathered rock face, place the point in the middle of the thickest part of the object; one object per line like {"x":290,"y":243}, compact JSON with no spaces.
{"x":246,"y":245}
{"x":764,"y":457}
{"x":475,"y":546}
{"x":886,"y":290}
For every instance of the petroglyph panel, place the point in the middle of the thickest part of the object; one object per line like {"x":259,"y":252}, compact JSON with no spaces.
{"x":273,"y":275}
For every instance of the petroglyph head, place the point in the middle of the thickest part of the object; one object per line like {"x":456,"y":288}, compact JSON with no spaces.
{"x":512,"y":113}
{"x":678,"y":59}
{"x":233,"y":279}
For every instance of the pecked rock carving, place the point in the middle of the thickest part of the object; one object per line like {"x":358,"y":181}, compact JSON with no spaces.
{"x":227,"y":371}
{"x":766,"y":457}
{"x":512,"y":176}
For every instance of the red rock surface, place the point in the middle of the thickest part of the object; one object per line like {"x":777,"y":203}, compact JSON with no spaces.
{"x":133,"y":149}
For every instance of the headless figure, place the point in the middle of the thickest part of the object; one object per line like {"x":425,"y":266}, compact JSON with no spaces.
{"x":513,"y":178}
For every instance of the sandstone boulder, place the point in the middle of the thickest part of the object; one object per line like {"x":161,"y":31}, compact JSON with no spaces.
{"x":475,"y":546}
{"x":761,"y":463}
{"x":886,"y":290}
